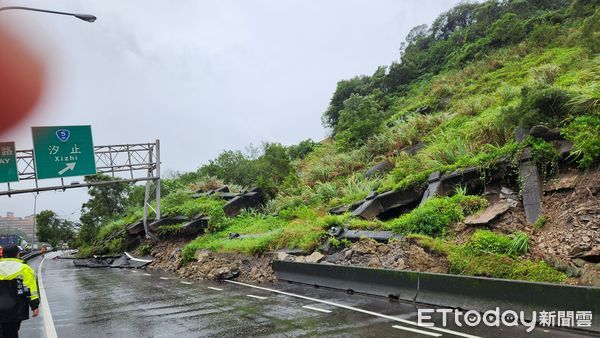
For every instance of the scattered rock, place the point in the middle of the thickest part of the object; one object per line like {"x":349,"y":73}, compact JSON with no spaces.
{"x":590,"y":275}
{"x":564,"y":183}
{"x":202,"y":255}
{"x":315,"y":257}
{"x":226,"y":273}
{"x":282,"y":256}
{"x":488,"y":214}
{"x":562,"y":265}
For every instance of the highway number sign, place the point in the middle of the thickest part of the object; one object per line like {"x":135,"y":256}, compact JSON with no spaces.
{"x":63,"y":151}
{"x":8,"y":163}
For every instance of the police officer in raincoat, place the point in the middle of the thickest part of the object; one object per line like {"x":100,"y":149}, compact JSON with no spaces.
{"x":18,"y":292}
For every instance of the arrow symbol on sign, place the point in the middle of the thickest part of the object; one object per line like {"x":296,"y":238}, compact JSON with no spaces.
{"x":70,"y":166}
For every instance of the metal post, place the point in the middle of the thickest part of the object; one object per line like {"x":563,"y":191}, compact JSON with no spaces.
{"x":146,"y":197}
{"x":158,"y":180}
{"x":35,"y":195}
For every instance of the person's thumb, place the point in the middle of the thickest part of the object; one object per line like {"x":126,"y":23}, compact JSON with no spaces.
{"x":21,"y":80}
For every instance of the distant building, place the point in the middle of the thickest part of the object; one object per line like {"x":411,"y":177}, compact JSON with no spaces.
{"x":24,"y":225}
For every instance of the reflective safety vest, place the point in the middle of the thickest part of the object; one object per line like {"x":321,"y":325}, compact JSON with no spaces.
{"x":18,"y":284}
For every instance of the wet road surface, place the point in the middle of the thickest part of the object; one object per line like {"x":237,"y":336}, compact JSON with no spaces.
{"x":107,"y":302}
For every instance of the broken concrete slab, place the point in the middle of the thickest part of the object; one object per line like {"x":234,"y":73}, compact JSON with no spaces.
{"x":469,"y":178}
{"x":386,"y":201}
{"x":136,"y":228}
{"x":563,"y":147}
{"x":342,"y":209}
{"x":194,"y":227}
{"x":545,"y":133}
{"x":434,"y":186}
{"x":167,"y":221}
{"x":248,"y":200}
{"x":121,"y":261}
{"x":489,"y":214}
{"x":339,"y":210}
{"x":532,"y":187}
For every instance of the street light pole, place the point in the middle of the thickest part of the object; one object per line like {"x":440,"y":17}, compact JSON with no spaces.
{"x":84,"y":17}
{"x":35,"y":195}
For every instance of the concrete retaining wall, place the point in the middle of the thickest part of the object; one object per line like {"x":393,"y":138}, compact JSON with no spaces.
{"x":464,"y":292}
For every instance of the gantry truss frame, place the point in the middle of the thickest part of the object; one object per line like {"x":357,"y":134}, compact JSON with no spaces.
{"x":137,"y":162}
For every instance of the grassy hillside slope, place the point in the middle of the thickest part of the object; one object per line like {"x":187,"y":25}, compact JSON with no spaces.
{"x":460,"y":89}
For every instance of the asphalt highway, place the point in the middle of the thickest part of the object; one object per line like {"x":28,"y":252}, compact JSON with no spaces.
{"x":104,"y":302}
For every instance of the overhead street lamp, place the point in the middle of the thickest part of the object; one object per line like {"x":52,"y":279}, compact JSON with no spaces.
{"x":84,"y":17}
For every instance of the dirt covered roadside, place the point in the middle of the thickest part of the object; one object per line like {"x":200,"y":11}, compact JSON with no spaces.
{"x":212,"y":265}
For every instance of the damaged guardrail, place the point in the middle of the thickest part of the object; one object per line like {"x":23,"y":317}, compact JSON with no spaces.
{"x":463,"y":292}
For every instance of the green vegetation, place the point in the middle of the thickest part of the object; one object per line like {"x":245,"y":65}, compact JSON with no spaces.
{"x":52,"y":229}
{"x":539,"y":224}
{"x":459,"y":90}
{"x":436,"y":214}
{"x":300,"y":229}
{"x":465,"y":262}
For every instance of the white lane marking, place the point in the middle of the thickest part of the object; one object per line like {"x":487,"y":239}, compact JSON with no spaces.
{"x":133,"y":270}
{"x":352,"y":308}
{"x":257,"y":297}
{"x":49,"y":328}
{"x":147,"y":274}
{"x":433,"y":334}
{"x":184,"y":282}
{"x":216,"y":289}
{"x":164,"y":278}
{"x":138,"y":259}
{"x":316,"y":309}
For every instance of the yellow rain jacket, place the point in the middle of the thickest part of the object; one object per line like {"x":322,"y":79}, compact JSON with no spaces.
{"x":13,"y":269}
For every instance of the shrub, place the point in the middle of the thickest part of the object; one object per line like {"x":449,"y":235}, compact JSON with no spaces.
{"x":546,"y":74}
{"x":486,"y":241}
{"x":542,"y":104}
{"x":436,"y":214}
{"x":519,"y":245}
{"x":584,"y":132}
{"x":172,"y":229}
{"x":144,"y":249}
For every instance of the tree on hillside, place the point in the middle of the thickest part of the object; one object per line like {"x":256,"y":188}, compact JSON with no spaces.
{"x":360,"y":85}
{"x":232,"y":167}
{"x":361,"y":117}
{"x":273,"y":167}
{"x":106,"y":203}
{"x":52,"y":229}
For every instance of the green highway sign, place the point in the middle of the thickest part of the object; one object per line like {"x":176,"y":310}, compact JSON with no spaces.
{"x":63,"y":151}
{"x":8,"y":162}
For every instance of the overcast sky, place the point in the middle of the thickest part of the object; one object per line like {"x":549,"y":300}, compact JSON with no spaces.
{"x":201,"y":76}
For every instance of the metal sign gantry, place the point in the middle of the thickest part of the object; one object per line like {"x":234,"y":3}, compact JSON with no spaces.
{"x":125,"y":163}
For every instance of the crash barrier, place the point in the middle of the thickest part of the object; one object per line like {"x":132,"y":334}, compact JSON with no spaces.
{"x":120,"y":261}
{"x":442,"y":290}
{"x":26,"y":257}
